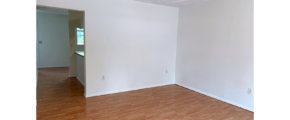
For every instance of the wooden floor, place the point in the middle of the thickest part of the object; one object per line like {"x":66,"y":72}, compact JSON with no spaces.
{"x":62,"y":98}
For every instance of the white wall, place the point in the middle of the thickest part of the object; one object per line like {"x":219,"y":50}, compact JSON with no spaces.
{"x":53,"y":32}
{"x":75,"y":21}
{"x":80,"y":48}
{"x":131,"y":43}
{"x":215,"y":50}
{"x":80,"y":68}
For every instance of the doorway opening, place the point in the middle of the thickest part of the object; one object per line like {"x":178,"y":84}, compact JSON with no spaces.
{"x":60,"y":53}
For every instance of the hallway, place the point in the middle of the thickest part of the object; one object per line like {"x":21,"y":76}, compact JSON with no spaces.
{"x":62,"y":98}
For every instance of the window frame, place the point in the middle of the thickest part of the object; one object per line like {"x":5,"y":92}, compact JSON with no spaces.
{"x":76,"y":31}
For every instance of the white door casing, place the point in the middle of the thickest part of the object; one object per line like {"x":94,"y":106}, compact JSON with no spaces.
{"x":36,"y":55}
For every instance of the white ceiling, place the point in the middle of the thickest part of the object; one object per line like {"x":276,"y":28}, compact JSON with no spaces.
{"x":173,"y":3}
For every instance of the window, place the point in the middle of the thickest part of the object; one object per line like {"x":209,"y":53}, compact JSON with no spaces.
{"x":80,"y":36}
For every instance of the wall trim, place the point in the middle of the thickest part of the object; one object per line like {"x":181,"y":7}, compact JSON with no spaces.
{"x":54,"y":66}
{"x":215,"y":97}
{"x":126,"y":90}
{"x":80,"y":81}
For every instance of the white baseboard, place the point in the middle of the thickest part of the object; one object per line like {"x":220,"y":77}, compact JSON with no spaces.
{"x":126,"y":90}
{"x":218,"y":98}
{"x":80,"y":81}
{"x":54,"y":66}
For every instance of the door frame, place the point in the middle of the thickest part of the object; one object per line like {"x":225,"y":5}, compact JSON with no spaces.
{"x":37,"y":45}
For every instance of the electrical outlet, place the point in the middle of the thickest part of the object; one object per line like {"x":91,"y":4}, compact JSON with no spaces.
{"x":249,"y":91}
{"x":103,"y":77}
{"x":40,"y":42}
{"x":166,"y":71}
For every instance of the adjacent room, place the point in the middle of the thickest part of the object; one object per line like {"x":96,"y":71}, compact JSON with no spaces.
{"x":145,"y":60}
{"x":60,"y":50}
